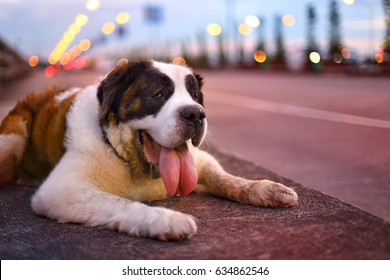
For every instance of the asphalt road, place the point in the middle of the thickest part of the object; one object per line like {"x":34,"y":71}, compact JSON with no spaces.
{"x":330,"y":133}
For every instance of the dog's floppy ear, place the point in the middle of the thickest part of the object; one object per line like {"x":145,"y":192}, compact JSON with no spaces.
{"x":111,"y":89}
{"x":106,"y":93}
{"x":199,"y":79}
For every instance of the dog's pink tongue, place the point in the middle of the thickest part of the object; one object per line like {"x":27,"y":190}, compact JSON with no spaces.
{"x":178,"y":171}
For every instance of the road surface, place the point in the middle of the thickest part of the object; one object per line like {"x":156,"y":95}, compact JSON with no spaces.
{"x":331,"y":133}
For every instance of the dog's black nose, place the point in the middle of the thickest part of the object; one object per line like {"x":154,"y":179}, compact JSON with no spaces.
{"x":193,"y":115}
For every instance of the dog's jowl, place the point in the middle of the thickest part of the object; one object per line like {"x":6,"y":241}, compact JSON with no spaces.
{"x":98,"y":152}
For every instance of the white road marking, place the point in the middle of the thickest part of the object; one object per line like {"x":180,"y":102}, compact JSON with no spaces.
{"x":292,"y":110}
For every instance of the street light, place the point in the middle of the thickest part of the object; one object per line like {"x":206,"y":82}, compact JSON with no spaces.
{"x":244,"y":29}
{"x":122,"y":18}
{"x":84,"y":45}
{"x":252,"y":21}
{"x":315,"y":57}
{"x":33,"y":60}
{"x":93,"y":5}
{"x":288,"y":20}
{"x":81,"y":19}
{"x":108,"y":28}
{"x":214,"y":29}
{"x":349,"y":2}
{"x":260,"y":56}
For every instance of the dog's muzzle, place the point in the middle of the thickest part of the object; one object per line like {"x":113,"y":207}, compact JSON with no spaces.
{"x":193,"y":117}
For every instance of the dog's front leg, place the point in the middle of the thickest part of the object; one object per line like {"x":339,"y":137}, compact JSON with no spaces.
{"x":214,"y":180}
{"x":70,"y":194}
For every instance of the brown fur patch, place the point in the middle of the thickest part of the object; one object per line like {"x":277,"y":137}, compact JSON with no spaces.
{"x":14,"y":124}
{"x":7,"y":172}
{"x":42,"y":120}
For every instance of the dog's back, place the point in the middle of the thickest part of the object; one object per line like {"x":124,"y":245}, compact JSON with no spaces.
{"x":43,"y":117}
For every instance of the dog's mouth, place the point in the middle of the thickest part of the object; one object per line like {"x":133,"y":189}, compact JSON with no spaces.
{"x":176,"y":165}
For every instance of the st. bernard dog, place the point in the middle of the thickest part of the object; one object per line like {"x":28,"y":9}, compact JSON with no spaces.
{"x":98,"y":152}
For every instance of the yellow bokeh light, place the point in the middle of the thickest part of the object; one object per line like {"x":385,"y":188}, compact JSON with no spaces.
{"x":68,"y":37}
{"x":81,"y":20}
{"x":93,"y":5}
{"x":122,"y":18}
{"x":244,"y":29}
{"x":288,"y":20}
{"x":315,"y":57}
{"x":52,"y":60}
{"x":58,"y":52}
{"x":55,"y":55}
{"x":252,"y":21}
{"x":214,"y":29}
{"x":61,"y":44}
{"x":33,"y":60}
{"x":108,"y":28}
{"x":260,"y":56}
{"x":179,"y":61}
{"x":84,"y":45}
{"x":74,"y":28}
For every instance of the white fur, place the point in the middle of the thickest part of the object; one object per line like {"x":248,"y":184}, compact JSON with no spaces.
{"x":90,"y":184}
{"x":175,"y":72}
{"x":164,"y":128}
{"x":12,"y":146}
{"x":68,"y":93}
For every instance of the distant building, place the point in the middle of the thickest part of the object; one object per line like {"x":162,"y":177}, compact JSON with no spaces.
{"x":12,"y":65}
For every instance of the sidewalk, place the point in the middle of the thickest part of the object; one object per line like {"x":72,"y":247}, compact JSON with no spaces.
{"x":320,"y":227}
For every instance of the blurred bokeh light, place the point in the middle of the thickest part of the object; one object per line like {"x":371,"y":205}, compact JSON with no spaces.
{"x":84,"y":45}
{"x":247,"y":34}
{"x":252,"y":21}
{"x":33,"y":60}
{"x":179,"y":61}
{"x":81,"y":19}
{"x":378,"y":58}
{"x":260,"y":56}
{"x":244,"y":29}
{"x":93,"y":5}
{"x":214,"y":29}
{"x":349,"y":2}
{"x":108,"y":28}
{"x":122,"y":18}
{"x":315,"y":57}
{"x":288,"y":20}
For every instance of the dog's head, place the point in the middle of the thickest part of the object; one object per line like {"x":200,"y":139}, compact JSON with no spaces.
{"x":155,"y":108}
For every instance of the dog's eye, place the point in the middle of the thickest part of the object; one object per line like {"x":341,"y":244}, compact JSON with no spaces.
{"x":157,"y":95}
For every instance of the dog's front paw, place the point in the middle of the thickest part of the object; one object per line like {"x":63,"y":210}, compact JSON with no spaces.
{"x":270,"y":194}
{"x":168,"y":225}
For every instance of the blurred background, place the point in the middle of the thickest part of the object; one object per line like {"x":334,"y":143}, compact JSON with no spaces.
{"x":300,"y":87}
{"x":301,"y":35}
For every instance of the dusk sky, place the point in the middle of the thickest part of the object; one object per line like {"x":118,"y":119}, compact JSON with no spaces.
{"x":35,"y":26}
